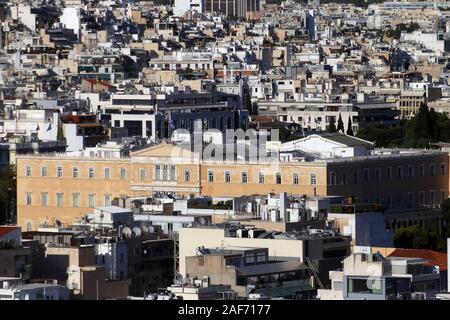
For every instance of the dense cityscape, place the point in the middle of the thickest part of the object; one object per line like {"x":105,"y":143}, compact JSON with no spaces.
{"x":224,"y":150}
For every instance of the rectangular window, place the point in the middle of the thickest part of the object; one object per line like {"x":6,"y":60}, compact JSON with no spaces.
{"x":44,"y":171}
{"x":143,"y":174}
{"x":91,"y":200}
{"x":421,"y":198}
{"x":44,"y":199}
{"x":75,"y":200}
{"x":261,"y":177}
{"x":91,"y":173}
{"x":172,"y":173}
{"x":344,"y":178}
{"x":400,"y":173}
{"x":227,"y":176}
{"x":59,"y":172}
{"x":332,"y":178}
{"x":432,"y":198}
{"x":60,"y":199}
{"x":187,"y":175}
{"x":278,"y":178}
{"x":210,"y":176}
{"x":295,"y":178}
{"x":107,"y":174}
{"x":377,"y":174}
{"x":244,"y":177}
{"x":366,"y":286}
{"x":355,"y":177}
{"x":75,"y":173}
{"x":442,"y":169}
{"x":107,"y":200}
{"x":410,"y":171}
{"x":157,"y":172}
{"x":123,"y":174}
{"x":313,"y":179}
{"x":165,"y":173}
{"x":421,"y":170}
{"x":28,"y":171}
{"x":388,"y":173}
{"x":366,"y":175}
{"x":432,"y":170}
{"x":28,"y":198}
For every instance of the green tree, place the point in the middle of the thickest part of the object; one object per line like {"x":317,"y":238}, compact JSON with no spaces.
{"x":332,"y":125}
{"x":414,"y":237}
{"x":8,"y":194}
{"x":340,"y":127}
{"x":349,"y":127}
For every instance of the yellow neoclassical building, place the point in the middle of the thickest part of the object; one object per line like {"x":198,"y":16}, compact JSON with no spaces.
{"x":65,"y":188}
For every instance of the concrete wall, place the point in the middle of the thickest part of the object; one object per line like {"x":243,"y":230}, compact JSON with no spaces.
{"x":192,"y":238}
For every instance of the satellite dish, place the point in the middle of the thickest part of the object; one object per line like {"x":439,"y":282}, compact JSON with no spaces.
{"x":144,"y":229}
{"x":151,"y":229}
{"x":126,"y":231}
{"x":202,"y":221}
{"x":137,"y":231}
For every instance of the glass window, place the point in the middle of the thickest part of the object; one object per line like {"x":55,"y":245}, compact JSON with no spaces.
{"x":44,"y":199}
{"x":244,"y":177}
{"x":28,"y":198}
{"x":355,"y":177}
{"x":295,"y":178}
{"x":227,"y":176}
{"x":442,"y":168}
{"x":432,"y":198}
{"x":377,"y":174}
{"x":75,"y":200}
{"x":28,"y":171}
{"x":91,"y":200}
{"x":370,"y":286}
{"x":261,"y":177}
{"x":389,"y":173}
{"x":366,"y":174}
{"x":421,"y":170}
{"x":157,"y":172}
{"x":123,"y":173}
{"x":59,"y":172}
{"x":165,"y":173}
{"x":44,"y":171}
{"x":107,"y":200}
{"x":432,"y":170}
{"x":400,"y":173}
{"x":143,"y":174}
{"x":187,"y":175}
{"x":421,"y":198}
{"x":313,"y":179}
{"x":107,"y":173}
{"x":210,"y":176}
{"x":75,"y":173}
{"x":278,"y":178}
{"x":172,"y":173}
{"x":60,"y":199}
{"x":332,"y":178}
{"x":91,"y":174}
{"x":410,"y":171}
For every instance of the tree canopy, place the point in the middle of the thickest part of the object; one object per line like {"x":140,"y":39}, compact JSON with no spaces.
{"x":425,"y":127}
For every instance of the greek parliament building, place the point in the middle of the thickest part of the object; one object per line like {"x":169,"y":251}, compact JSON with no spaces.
{"x":65,"y":188}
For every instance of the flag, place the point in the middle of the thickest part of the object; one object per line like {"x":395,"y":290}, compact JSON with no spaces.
{"x":49,"y":126}
{"x":37,"y":128}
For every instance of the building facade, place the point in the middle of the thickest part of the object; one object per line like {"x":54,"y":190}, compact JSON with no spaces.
{"x":64,"y":188}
